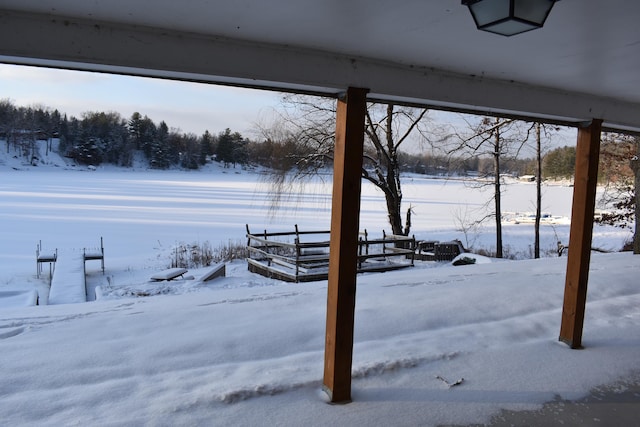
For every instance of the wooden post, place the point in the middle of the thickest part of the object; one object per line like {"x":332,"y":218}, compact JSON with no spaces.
{"x":343,"y":249}
{"x":579,"y":253}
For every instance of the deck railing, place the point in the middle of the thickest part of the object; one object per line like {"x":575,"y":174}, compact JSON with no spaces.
{"x":304,"y":255}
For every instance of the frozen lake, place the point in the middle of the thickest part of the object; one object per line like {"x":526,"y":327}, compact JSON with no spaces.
{"x":143,"y":213}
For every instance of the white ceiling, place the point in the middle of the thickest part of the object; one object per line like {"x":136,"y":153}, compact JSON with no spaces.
{"x":584,"y":63}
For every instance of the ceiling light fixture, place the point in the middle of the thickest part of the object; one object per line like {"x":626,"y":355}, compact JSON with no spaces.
{"x":509,"y":17}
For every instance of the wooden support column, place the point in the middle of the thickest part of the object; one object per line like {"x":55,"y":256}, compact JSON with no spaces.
{"x":579,"y":254}
{"x":343,"y":256}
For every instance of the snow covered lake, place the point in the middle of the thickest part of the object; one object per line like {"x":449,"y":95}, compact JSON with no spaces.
{"x":142,"y":214}
{"x":247,"y":350}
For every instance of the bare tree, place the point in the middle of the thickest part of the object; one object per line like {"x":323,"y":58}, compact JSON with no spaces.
{"x":620,"y":169}
{"x":539,"y":129}
{"x":536,"y":244}
{"x":381,"y":165}
{"x":310,"y":122}
{"x":635,"y":167}
{"x":467,"y":225}
{"x":496,"y":138}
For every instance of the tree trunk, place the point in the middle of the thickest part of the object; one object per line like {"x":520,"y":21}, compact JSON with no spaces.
{"x":536,"y":244}
{"x":635,"y":166}
{"x":498,"y":209}
{"x":393,"y":195}
{"x":395,"y":215}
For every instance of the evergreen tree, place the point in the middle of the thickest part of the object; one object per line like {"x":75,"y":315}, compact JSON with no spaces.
{"x":102,"y":137}
{"x":143,"y":132}
{"x":148,"y":135}
{"x":224,"y":152}
{"x":206,"y":147}
{"x":190,"y":151}
{"x":87,"y":151}
{"x":70,"y":132}
{"x":240,"y":150}
{"x":232,"y":148}
{"x":135,"y":129}
{"x":8,"y":113}
{"x":559,"y":163}
{"x":160,"y":156}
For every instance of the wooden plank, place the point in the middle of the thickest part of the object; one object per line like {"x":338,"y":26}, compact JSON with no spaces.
{"x":287,"y":233}
{"x":272,"y":243}
{"x":291,"y":265}
{"x":319,"y":270}
{"x":401,"y":251}
{"x":257,"y":267}
{"x":47,"y":257}
{"x":168,"y":274}
{"x":68,"y":284}
{"x":579,"y":254}
{"x":218,"y":270}
{"x":343,"y":257}
{"x":314,"y":232}
{"x":313,"y":258}
{"x":311,"y":245}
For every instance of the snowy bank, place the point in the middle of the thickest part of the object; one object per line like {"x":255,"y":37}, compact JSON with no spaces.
{"x":250,"y":350}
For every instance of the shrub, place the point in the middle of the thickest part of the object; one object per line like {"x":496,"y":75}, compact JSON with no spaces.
{"x":202,"y":254}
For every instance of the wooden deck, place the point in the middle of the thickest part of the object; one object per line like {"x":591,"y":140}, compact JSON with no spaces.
{"x":303,"y":256}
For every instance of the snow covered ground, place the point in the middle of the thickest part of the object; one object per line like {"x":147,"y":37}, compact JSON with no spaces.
{"x":247,"y":350}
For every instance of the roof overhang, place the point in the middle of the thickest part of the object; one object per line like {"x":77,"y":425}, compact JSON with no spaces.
{"x":117,"y":46}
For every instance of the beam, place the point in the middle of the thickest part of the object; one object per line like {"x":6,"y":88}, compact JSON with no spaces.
{"x":343,"y":249}
{"x":579,"y":254}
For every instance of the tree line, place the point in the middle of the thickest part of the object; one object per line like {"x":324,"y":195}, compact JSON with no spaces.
{"x":106,"y":137}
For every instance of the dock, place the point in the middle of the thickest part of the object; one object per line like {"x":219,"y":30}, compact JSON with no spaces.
{"x":68,"y":284}
{"x":67,"y":272}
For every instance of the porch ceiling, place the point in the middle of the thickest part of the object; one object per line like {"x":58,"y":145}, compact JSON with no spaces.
{"x":584,"y":63}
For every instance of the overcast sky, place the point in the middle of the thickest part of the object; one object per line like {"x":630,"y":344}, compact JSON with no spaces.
{"x":190,"y":107}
